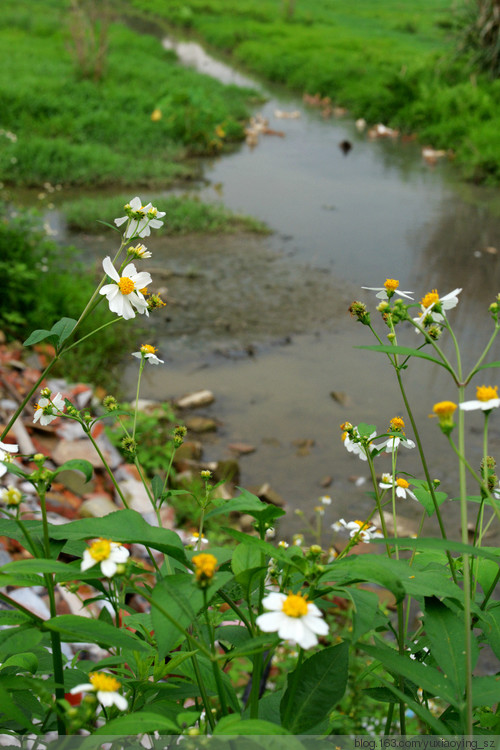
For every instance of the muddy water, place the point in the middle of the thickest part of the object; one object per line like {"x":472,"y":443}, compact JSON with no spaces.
{"x":263,"y":322}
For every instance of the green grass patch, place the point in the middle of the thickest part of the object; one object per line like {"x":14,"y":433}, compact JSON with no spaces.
{"x":46,"y":282}
{"x":389,"y":61}
{"x":184,"y":214}
{"x":78,"y":131}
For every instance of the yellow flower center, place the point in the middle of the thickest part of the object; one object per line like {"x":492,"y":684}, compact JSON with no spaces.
{"x":148,"y":349}
{"x":144,"y":290}
{"x":402,"y":483}
{"x":100,"y":550}
{"x":344,"y":436}
{"x":126,"y":285}
{"x":361,"y":525}
{"x":444,"y":408}
{"x":430,"y":299}
{"x":391,"y":285}
{"x":486,"y":392}
{"x":397,"y":424}
{"x":205,"y":565}
{"x":295,"y":605}
{"x":104,"y":682}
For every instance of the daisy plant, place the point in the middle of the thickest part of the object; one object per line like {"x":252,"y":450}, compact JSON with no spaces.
{"x":173,"y":634}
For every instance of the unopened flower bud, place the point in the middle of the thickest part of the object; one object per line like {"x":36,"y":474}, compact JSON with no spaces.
{"x":46,"y":392}
{"x":205,"y":474}
{"x":358,"y":310}
{"x":110,"y":403}
{"x":315,"y":550}
{"x":444,"y":411}
{"x":39,"y":458}
{"x":129,"y":444}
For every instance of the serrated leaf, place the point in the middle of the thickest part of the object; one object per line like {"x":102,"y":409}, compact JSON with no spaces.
{"x":9,"y":711}
{"x":446,"y":634}
{"x":319,"y":685}
{"x":490,"y":625}
{"x":276,"y":553}
{"x":245,"y":557}
{"x":406,"y":351}
{"x":419,"y":709}
{"x":139,"y":723}
{"x":26,"y":662}
{"x":76,"y":628}
{"x":429,"y":678}
{"x":236,"y":726}
{"x":485,"y":690}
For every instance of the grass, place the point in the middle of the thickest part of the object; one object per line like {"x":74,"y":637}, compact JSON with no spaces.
{"x":184,"y":214}
{"x":77,"y":131}
{"x":391,"y":61}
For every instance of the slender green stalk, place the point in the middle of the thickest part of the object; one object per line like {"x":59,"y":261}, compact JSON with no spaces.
{"x":141,"y":368}
{"x":28,"y":397}
{"x":88,"y":335}
{"x":55,"y":637}
{"x":204,"y":695}
{"x":474,"y":474}
{"x":215,"y":666}
{"x":388,"y":721}
{"x":483,"y":355}
{"x":377,"y":500}
{"x":394,"y":454}
{"x":401,"y":679}
{"x":466,"y":568}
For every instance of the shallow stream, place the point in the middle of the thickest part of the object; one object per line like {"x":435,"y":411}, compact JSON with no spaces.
{"x":263,"y":323}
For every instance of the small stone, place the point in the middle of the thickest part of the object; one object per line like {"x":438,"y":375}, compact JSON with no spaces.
{"x":135,"y":494}
{"x":326,"y":481}
{"x":242,"y":448}
{"x":201,"y":424}
{"x":195,"y":400}
{"x":97,"y":506}
{"x":341,"y":397}
{"x":69,"y":449}
{"x":491,"y":250}
{"x":267,"y":494}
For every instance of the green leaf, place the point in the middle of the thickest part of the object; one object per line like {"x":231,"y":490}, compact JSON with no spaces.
{"x":365,"y":610}
{"x":126,"y":526}
{"x":418,"y":708}
{"x":429,"y":678}
{"x":77,"y":464}
{"x":406,"y":351}
{"x":10,"y":712}
{"x":26,"y":662}
{"x":13,"y":617}
{"x":40,"y":335}
{"x":207,"y":675}
{"x":245,"y":557}
{"x":484,"y":367}
{"x":320,"y":684}
{"x":445,"y":632}
{"x":138,"y":723}
{"x":491,"y":553}
{"x":63,"y":328}
{"x":373,"y":568}
{"x":76,"y":628}
{"x":485,"y":690}
{"x":365,"y":430}
{"x":424,"y":497}
{"x":178,"y":597}
{"x":245,"y":503}
{"x":236,"y":726}
{"x":490,"y":625}
{"x":277,"y":553}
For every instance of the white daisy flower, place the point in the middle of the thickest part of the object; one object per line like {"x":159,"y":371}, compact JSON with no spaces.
{"x":106,"y":687}
{"x":352,"y":446}
{"x":109,"y":554}
{"x":141,"y":218}
{"x":294,"y":619}
{"x":6,"y":449}
{"x":433,"y":306}
{"x":148,"y":352}
{"x":11,"y":495}
{"x":392,"y":443}
{"x":195,"y":538}
{"x":126,"y":292}
{"x":364,"y":531}
{"x":388,"y":290}
{"x":486,"y":399}
{"x":325,"y":500}
{"x":139,"y":251}
{"x":47,"y":409}
{"x":401,"y":485}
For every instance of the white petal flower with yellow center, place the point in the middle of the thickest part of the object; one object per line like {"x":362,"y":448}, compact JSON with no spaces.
{"x":126,"y":291}
{"x":11,"y":495}
{"x":6,"y":451}
{"x":355,"y":447}
{"x":364,"y":531}
{"x":148,"y":352}
{"x":109,"y":554}
{"x":106,"y":687}
{"x":48,"y":409}
{"x":389,"y":289}
{"x":141,"y":218}
{"x":295,"y":619}
{"x":486,"y":399}
{"x":394,"y":441}
{"x":401,"y":485}
{"x":433,"y":306}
